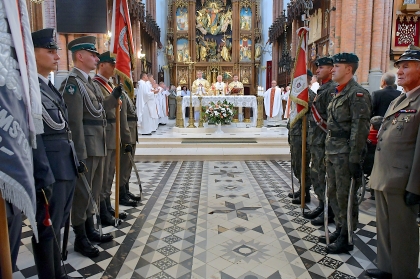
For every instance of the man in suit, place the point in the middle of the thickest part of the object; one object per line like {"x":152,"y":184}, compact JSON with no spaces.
{"x":382,"y":98}
{"x":56,"y":150}
{"x":87,"y":121}
{"x":106,"y":68}
{"x":395,"y":176}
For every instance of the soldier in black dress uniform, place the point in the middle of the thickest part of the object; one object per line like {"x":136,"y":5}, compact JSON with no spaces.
{"x":54,"y":160}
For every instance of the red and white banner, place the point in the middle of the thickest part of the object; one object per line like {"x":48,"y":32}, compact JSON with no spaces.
{"x":122,"y":44}
{"x":299,"y":93}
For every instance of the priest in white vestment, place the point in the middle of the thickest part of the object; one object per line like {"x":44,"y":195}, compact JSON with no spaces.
{"x":200,"y":86}
{"x":163,"y":103}
{"x":145,"y":106}
{"x":155,"y":90}
{"x":219,"y":88}
{"x":273,"y":105}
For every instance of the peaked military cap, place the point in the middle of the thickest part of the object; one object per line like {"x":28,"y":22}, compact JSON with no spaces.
{"x":309,"y":73}
{"x":45,"y":38}
{"x":411,"y":54}
{"x":83,"y":43}
{"x":324,"y":61}
{"x":106,"y":57}
{"x":345,"y":58}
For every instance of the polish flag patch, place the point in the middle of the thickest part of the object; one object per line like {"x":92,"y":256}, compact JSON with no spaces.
{"x":359,"y":94}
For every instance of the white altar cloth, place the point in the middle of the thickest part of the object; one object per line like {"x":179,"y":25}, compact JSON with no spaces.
{"x":237,"y":101}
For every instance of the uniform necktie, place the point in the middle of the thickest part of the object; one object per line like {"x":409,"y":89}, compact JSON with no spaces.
{"x":400,"y":100}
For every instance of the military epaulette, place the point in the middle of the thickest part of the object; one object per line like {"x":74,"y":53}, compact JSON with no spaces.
{"x":407,"y":111}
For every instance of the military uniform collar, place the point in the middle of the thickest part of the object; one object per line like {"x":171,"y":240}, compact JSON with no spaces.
{"x":44,"y":79}
{"x":85,"y":75}
{"x":410,"y":93}
{"x":351,"y":82}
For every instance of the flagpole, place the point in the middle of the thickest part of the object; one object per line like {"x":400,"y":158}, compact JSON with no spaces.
{"x":5,"y":257}
{"x":117,"y":161}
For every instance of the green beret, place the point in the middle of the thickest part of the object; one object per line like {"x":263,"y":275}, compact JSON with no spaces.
{"x":324,"y":61}
{"x":309,"y":73}
{"x":106,"y":57}
{"x":345,"y":58}
{"x":44,"y":38}
{"x":83,"y":43}
{"x":411,"y":54}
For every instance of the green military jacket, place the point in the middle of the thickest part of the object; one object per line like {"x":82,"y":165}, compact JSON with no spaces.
{"x":109,"y":103}
{"x":323,"y":97}
{"x":86,"y":115}
{"x":128,"y":121}
{"x":349,"y":116}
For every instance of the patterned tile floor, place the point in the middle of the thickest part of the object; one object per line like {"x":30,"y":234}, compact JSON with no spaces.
{"x":210,"y":219}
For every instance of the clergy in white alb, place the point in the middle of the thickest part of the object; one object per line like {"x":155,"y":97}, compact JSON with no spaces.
{"x":273,"y":105}
{"x":200,"y":86}
{"x":145,"y":106}
{"x":163,"y":109}
{"x":155,"y":90}
{"x":219,"y":88}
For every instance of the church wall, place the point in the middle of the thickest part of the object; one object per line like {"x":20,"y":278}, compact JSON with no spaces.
{"x":162,"y":19}
{"x":267,"y":20}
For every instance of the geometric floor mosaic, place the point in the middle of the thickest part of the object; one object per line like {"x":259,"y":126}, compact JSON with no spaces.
{"x":212,"y":219}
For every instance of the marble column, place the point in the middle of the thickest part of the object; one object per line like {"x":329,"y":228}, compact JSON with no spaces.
{"x":365,"y":55}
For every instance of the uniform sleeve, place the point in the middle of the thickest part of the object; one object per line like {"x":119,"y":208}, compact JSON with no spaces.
{"x":125,"y":129}
{"x":374,"y":103}
{"x":360,"y":110}
{"x":42,"y":171}
{"x":110,"y":102}
{"x":74,"y":102}
{"x":413,"y":185}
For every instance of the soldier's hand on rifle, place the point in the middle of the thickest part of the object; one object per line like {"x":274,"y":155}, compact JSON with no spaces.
{"x":411,"y":198}
{"x":128,"y":148}
{"x":82,"y":168}
{"x":355,"y":170}
{"x":44,"y":194}
{"x":117,"y":92}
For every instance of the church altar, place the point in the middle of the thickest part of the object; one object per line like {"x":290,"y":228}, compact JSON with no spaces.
{"x":236,"y":100}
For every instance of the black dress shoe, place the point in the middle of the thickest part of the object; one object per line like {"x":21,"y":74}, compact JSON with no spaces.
{"x":377,"y":273}
{"x":333,"y":236}
{"x":133,"y":197}
{"x":128,"y":202}
{"x":314,"y":213}
{"x":82,"y":243}
{"x":298,"y":200}
{"x":121,"y":215}
{"x":319,"y":221}
{"x":93,"y":234}
{"x":341,"y":245}
{"x":297,"y":194}
{"x":106,"y":218}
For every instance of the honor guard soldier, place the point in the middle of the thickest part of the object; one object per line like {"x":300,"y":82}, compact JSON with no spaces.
{"x":56,"y":151}
{"x":348,"y":128}
{"x":88,"y":123}
{"x":129,"y":137}
{"x":106,"y":69}
{"x":396,"y":178}
{"x":317,"y":132}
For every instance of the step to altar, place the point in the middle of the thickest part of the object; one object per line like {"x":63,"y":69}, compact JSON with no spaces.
{"x":196,"y":144}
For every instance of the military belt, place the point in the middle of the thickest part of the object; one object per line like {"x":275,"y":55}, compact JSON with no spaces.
{"x":110,"y":121}
{"x":93,"y":122}
{"x":339,"y":134}
{"x":58,"y":136}
{"x":130,"y":119}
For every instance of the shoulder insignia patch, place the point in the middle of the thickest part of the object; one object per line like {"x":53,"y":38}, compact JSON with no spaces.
{"x":71,"y":89}
{"x":359,"y":94}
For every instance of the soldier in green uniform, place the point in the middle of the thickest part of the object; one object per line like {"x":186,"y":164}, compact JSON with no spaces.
{"x":106,"y":69}
{"x":129,"y":136}
{"x":87,"y":122}
{"x":348,"y":128}
{"x":295,"y":142}
{"x":317,"y":133}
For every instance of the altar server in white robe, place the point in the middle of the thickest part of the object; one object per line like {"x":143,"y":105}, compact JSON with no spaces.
{"x":163,"y":103}
{"x":273,"y":105}
{"x":154,"y":88}
{"x":146,"y":107}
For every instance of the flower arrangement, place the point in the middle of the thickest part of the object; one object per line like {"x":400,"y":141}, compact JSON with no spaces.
{"x":220,"y":112}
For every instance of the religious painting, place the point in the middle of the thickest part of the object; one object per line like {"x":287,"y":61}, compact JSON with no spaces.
{"x":246,"y":16}
{"x":182,"y":74}
{"x":182,"y":19}
{"x":182,"y":49}
{"x":407,"y":33}
{"x":214,"y":18}
{"x":246,"y":74}
{"x":245,"y":49}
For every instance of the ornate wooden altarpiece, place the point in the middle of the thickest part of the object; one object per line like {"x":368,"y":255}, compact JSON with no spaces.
{"x":221,"y":36}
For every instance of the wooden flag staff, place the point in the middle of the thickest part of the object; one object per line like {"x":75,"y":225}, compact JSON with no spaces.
{"x":5,"y":258}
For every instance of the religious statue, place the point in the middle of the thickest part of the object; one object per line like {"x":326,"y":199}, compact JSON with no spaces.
{"x":226,"y":21}
{"x":258,"y":51}
{"x":170,"y":50}
{"x":225,"y":49}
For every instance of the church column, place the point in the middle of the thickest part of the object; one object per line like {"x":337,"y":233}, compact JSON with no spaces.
{"x":338,"y":15}
{"x":375,"y":72}
{"x":191,"y":30}
{"x":367,"y":36}
{"x":359,"y":36}
{"x":387,"y":36}
{"x":348,"y":24}
{"x":275,"y":62}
